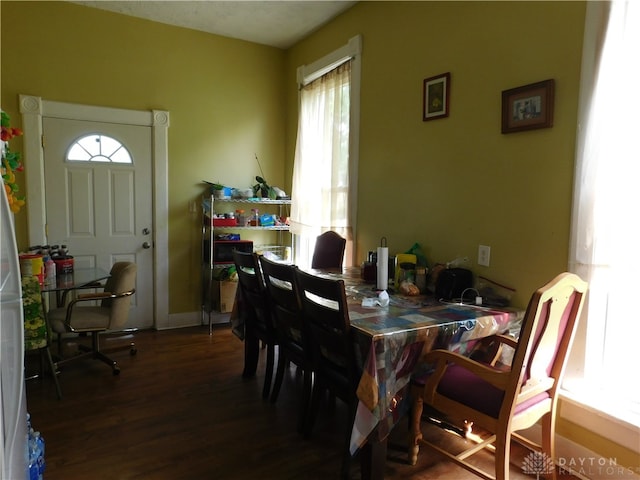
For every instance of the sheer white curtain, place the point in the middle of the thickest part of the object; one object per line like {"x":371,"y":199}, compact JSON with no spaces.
{"x":606,"y":221}
{"x":320,"y":188}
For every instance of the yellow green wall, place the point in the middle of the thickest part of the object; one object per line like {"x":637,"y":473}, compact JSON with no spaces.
{"x":448,"y":184}
{"x":454,"y":183}
{"x":225,"y":98}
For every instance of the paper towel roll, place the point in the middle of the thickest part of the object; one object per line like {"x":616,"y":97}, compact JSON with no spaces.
{"x":382,"y":282}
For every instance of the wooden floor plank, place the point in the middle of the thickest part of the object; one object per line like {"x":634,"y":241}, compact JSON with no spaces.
{"x":181,"y":410}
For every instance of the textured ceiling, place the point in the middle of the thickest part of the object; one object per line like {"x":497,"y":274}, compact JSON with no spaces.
{"x":276,"y":23}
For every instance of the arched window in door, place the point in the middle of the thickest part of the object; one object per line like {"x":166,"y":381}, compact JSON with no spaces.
{"x":98,"y":148}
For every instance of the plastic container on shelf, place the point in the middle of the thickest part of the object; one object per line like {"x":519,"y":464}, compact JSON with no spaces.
{"x":267,"y":220}
{"x":241,"y":218}
{"x":32,"y":265}
{"x":64,"y":264}
{"x":421,"y":279}
{"x":50,"y":271}
{"x":255,"y":218}
{"x":224,"y":222}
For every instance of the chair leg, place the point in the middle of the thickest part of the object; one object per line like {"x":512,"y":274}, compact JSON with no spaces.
{"x":548,"y":439}
{"x":268,"y":374}
{"x":97,"y":353}
{"x":502,"y":455}
{"x":282,"y":363}
{"x":307,"y":386}
{"x":53,"y":371}
{"x":313,"y":408}
{"x":415,"y":416}
{"x":251,"y":353}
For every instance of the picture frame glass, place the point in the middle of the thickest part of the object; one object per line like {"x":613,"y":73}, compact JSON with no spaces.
{"x":528,"y":107}
{"x":436,"y":97}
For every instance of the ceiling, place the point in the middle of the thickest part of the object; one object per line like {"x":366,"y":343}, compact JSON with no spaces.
{"x":275,"y":23}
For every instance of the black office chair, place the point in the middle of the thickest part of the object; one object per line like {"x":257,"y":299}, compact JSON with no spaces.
{"x":324,"y":309}
{"x":259,"y":324}
{"x":329,"y":251}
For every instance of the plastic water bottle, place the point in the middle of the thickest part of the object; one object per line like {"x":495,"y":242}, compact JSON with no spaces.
{"x":36,"y":456}
{"x":50,"y":271}
{"x":41,"y":462}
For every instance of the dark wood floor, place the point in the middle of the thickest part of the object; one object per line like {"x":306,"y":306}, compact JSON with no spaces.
{"x":180,"y":410}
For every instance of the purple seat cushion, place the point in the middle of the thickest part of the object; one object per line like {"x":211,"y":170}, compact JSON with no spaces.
{"x":465,"y":387}
{"x":461,"y":385}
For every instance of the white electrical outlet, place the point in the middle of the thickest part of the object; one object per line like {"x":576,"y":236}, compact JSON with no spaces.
{"x":484,"y":255}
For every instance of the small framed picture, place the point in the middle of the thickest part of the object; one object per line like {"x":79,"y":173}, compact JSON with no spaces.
{"x":528,"y":107}
{"x":436,"y":97}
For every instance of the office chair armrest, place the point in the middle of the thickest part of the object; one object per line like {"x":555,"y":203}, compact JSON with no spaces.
{"x":88,"y":297}
{"x":93,"y":296}
{"x":443,"y":358}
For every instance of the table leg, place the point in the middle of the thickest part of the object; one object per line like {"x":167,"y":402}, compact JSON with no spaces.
{"x":373,"y":459}
{"x":415,"y":432}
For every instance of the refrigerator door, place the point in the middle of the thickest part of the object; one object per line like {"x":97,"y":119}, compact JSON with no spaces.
{"x":13,"y":411}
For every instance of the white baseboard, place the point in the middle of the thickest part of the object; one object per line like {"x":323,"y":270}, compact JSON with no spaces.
{"x":193,"y":319}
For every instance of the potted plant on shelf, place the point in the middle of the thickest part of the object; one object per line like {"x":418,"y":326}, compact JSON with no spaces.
{"x":217,"y":189}
{"x":262,"y":188}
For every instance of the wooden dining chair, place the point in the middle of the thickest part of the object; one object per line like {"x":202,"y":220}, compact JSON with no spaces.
{"x":324,"y":309}
{"x":504,"y":399}
{"x":329,"y":251}
{"x":259,"y":324}
{"x":293,"y":337}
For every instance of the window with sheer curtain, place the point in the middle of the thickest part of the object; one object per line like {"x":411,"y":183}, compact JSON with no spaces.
{"x":605,"y":224}
{"x":320,"y":187}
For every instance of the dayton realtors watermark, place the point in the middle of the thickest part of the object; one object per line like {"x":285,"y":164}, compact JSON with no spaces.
{"x":538,"y":464}
{"x":595,"y":467}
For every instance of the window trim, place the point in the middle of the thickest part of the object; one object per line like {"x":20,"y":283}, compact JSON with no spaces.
{"x":307,"y":74}
{"x":579,"y":404}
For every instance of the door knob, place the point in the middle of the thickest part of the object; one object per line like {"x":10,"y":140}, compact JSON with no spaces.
{"x":146,"y":245}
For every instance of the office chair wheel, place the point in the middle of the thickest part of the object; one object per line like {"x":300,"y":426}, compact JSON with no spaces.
{"x":133,"y":351}
{"x":116,"y":371}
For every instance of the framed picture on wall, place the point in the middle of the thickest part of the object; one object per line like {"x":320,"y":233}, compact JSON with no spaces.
{"x":435,"y":102}
{"x":528,"y":107}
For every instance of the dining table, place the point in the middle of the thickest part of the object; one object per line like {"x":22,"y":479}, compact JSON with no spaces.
{"x":392,"y":334}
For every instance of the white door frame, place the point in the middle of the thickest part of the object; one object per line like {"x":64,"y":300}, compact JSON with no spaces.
{"x":34,"y":108}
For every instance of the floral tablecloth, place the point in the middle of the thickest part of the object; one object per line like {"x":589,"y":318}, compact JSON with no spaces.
{"x":393,"y":340}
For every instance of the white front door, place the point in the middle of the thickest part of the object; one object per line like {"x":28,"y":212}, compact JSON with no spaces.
{"x":98,"y":197}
